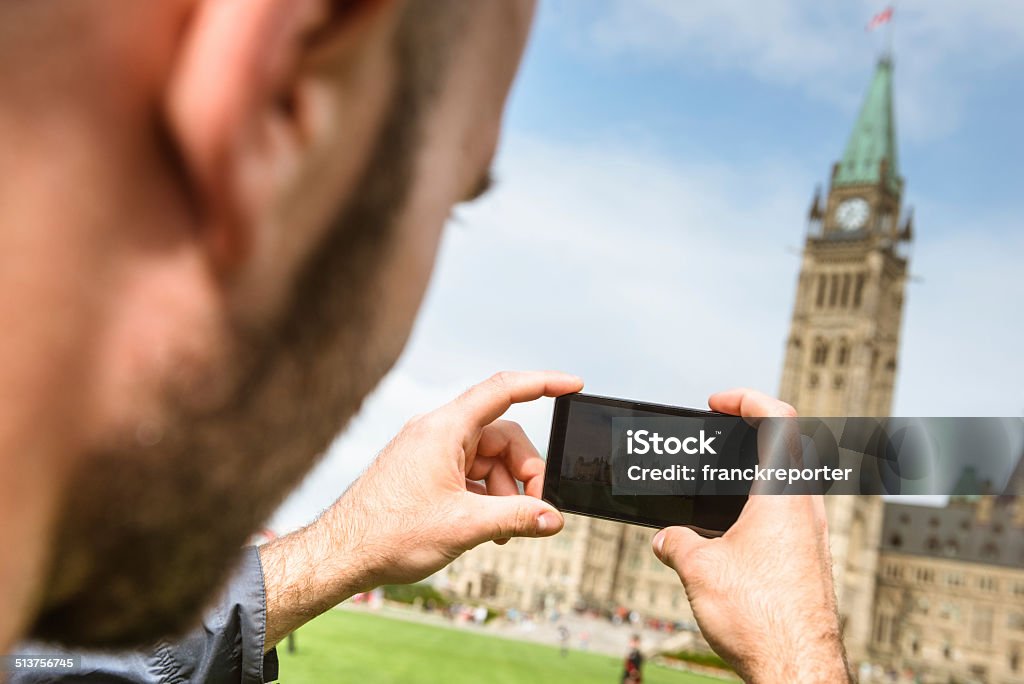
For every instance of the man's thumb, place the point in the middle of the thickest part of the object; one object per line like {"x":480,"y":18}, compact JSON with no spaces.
{"x":674,"y":544}
{"x":518,"y":516}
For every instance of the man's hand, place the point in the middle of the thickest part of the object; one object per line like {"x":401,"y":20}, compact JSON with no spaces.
{"x":446,"y":483}
{"x":762,"y":593}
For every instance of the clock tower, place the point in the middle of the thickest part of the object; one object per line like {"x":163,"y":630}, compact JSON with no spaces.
{"x":843,"y":346}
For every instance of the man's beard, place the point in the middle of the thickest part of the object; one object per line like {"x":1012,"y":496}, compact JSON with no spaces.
{"x":151,"y":532}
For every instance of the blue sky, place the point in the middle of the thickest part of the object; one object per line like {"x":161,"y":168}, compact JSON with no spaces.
{"x":656,"y":167}
{"x":578,"y":83}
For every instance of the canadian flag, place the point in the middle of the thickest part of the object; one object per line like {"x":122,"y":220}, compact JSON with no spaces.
{"x":882,"y":17}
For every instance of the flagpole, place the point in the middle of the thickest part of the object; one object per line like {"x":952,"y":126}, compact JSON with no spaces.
{"x":889,"y":31}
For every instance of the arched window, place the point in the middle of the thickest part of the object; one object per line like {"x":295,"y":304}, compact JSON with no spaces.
{"x":843,"y":355}
{"x":820,"y":352}
{"x":820,"y":298}
{"x":858,"y":290}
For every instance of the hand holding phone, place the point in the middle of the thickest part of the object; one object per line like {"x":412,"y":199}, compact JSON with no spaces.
{"x":763,"y":593}
{"x":586,"y":435}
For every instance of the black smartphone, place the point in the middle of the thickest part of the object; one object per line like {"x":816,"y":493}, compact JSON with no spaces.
{"x":578,"y":476}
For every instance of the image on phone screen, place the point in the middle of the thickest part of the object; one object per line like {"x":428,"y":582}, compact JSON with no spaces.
{"x":578,"y":476}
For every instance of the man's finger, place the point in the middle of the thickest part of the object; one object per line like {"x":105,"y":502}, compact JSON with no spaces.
{"x":500,"y":481}
{"x":506,"y":442}
{"x":673,"y":545}
{"x":482,"y":404}
{"x":750,"y":403}
{"x":778,"y":442}
{"x":502,"y":517}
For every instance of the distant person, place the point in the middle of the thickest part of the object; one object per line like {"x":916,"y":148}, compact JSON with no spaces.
{"x":632,"y":672}
{"x":218,"y":220}
{"x":563,"y":640}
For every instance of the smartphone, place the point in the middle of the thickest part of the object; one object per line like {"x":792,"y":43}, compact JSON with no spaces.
{"x":578,"y":474}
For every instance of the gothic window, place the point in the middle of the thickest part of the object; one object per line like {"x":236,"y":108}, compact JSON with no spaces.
{"x":844,"y":298}
{"x":883,"y":628}
{"x":896,"y":541}
{"x":1015,"y":621}
{"x":833,"y":294}
{"x":812,"y":380}
{"x":858,"y":290}
{"x":820,"y":352}
{"x":891,"y":365}
{"x":837,"y":382}
{"x":820,"y":298}
{"x":844,"y":352}
{"x":983,"y":625}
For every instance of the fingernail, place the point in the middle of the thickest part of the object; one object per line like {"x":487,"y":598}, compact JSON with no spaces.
{"x":659,"y":541}
{"x":546,"y":521}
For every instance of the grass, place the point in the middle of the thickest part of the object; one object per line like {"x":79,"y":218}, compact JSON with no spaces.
{"x":343,"y":646}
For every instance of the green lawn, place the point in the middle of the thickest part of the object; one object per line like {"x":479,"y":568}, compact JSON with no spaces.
{"x":342,"y":646}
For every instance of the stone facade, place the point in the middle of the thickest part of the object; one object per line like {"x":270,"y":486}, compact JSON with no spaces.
{"x":843,"y":345}
{"x":950,"y":592}
{"x":934,"y":591}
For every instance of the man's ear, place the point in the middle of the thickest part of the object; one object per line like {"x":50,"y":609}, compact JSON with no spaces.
{"x":237,"y":111}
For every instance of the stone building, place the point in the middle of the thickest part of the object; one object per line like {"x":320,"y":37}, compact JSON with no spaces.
{"x":938,"y":592}
{"x":843,"y":345}
{"x":949,"y":601}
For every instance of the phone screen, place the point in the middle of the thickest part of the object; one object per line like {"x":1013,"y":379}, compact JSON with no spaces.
{"x":578,"y":477}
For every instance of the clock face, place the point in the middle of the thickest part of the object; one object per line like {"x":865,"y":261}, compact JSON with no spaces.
{"x":853,"y":213}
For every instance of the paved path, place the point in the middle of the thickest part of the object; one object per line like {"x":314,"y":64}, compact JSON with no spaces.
{"x":603,"y":636}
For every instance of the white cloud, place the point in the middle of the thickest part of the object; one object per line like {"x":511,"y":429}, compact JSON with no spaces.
{"x":665,"y":281}
{"x":820,"y":48}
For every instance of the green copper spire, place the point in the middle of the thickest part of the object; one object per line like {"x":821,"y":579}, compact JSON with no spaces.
{"x":874,"y":138}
